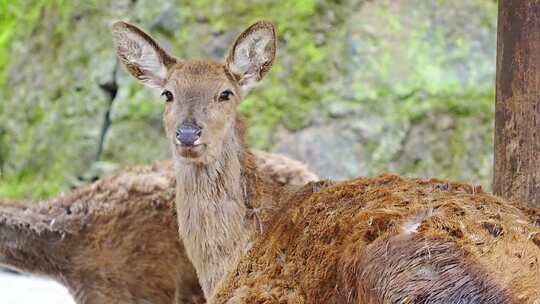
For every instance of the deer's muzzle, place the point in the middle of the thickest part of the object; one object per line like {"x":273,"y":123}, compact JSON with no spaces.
{"x":188,"y":134}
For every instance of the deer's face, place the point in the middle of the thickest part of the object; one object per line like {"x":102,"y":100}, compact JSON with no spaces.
{"x":200,"y":109}
{"x":200,"y":96}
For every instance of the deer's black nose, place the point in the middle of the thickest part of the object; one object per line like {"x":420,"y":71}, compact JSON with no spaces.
{"x":187,"y":134}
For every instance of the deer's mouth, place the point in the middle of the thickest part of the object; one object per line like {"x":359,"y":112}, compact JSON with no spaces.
{"x":194,"y":151}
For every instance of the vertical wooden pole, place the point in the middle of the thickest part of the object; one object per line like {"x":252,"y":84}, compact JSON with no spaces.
{"x":517,"y":109}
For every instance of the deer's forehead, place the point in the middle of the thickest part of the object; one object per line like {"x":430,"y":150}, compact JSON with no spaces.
{"x":199,"y":74}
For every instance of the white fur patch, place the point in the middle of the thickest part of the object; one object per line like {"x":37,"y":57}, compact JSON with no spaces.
{"x":411,"y":226}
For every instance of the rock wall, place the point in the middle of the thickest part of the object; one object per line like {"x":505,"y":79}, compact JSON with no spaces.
{"x":360,"y":87}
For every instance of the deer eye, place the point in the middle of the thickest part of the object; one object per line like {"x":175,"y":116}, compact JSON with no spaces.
{"x":167,"y":96}
{"x":225,"y":95}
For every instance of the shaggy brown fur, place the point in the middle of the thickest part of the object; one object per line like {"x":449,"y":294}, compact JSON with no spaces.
{"x":115,"y":241}
{"x":101,"y":241}
{"x":392,"y":240}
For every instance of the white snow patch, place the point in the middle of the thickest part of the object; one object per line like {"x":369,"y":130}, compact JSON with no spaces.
{"x":23,"y":289}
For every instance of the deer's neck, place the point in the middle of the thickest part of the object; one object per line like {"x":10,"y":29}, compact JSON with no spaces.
{"x":211,"y":203}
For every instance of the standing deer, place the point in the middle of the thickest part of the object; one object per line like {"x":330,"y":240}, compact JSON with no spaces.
{"x":116,"y":241}
{"x":373,"y":240}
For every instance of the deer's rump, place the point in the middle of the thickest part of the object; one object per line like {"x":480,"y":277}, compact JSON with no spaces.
{"x":392,"y":240}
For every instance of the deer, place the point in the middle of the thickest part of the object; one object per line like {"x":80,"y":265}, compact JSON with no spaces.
{"x":116,"y":240}
{"x":385,"y":239}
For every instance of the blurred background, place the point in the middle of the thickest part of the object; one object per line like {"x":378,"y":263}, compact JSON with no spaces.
{"x":359,"y":87}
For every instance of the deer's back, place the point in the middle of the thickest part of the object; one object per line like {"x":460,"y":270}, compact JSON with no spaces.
{"x":393,"y":240}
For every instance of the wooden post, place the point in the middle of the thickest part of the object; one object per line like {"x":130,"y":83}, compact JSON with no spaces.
{"x":517,"y":109}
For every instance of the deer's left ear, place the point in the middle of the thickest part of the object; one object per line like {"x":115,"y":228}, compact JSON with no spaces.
{"x":252,"y":54}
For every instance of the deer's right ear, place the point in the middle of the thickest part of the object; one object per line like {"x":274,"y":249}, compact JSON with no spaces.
{"x":141,"y":55}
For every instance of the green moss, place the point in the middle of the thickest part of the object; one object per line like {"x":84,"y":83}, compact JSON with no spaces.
{"x":37,"y":178}
{"x":17,"y":18}
{"x":34,"y":185}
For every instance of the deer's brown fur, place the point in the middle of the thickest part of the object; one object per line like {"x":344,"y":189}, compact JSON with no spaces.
{"x":373,"y":240}
{"x":115,"y":241}
{"x":392,"y":240}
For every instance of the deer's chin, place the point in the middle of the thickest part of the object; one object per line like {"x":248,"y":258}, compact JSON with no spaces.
{"x":191,"y":153}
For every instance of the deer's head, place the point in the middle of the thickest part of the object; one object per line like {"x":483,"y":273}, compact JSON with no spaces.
{"x":200,"y":96}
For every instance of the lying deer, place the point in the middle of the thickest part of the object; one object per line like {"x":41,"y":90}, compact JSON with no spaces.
{"x":373,"y":240}
{"x":116,"y":241}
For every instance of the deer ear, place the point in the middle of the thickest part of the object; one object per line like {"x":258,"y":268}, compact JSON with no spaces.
{"x":252,"y":54}
{"x":141,"y":55}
